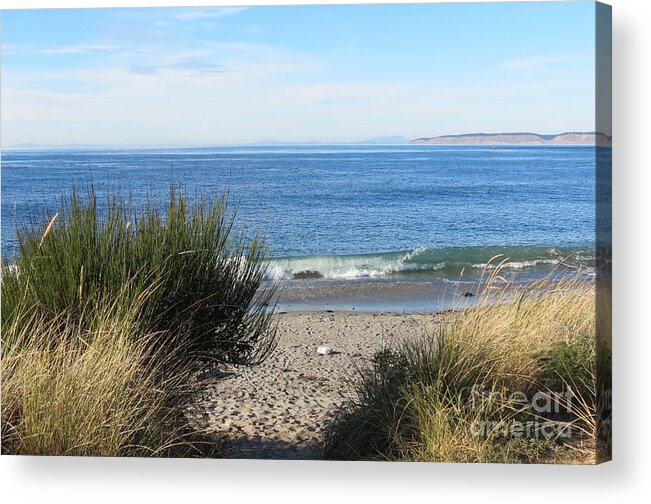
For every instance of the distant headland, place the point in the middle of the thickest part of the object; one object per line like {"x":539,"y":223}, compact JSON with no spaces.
{"x":567,"y":138}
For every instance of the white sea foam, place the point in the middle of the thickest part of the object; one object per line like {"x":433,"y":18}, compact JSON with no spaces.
{"x":275,"y":272}
{"x":383,"y":264}
{"x":347,"y":267}
{"x":517,"y":264}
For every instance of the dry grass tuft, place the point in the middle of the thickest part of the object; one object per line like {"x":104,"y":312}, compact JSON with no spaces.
{"x":66,"y":391}
{"x":511,"y":380}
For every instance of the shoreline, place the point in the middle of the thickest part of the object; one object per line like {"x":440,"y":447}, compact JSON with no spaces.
{"x":375,"y":296}
{"x":402,"y":294}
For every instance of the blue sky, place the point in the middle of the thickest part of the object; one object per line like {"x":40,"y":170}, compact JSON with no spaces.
{"x":208,"y":76}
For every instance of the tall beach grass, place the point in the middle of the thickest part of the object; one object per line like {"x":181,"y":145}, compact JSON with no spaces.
{"x":67,"y":391}
{"x":106,"y":315}
{"x":512,"y":380}
{"x":201,"y":277}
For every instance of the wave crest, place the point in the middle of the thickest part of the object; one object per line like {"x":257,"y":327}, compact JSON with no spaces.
{"x":447,"y":261}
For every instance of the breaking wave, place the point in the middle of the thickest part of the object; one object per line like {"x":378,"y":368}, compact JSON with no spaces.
{"x":444,"y":262}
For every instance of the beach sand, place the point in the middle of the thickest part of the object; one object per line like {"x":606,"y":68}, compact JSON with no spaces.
{"x":277,"y":410}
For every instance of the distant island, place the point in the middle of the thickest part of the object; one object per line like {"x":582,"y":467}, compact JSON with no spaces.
{"x":567,"y":138}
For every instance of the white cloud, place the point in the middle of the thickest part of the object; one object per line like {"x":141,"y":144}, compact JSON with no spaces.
{"x":250,"y":92}
{"x":536,"y":62}
{"x":152,"y":93}
{"x":13,"y":48}
{"x":81,"y":48}
{"x":271,"y":101}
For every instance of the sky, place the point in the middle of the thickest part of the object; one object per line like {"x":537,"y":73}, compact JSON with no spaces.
{"x":343,"y":73}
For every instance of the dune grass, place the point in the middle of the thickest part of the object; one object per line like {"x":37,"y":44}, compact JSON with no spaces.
{"x":106,"y":316}
{"x":67,"y":391}
{"x":511,"y":380}
{"x":202,"y":278}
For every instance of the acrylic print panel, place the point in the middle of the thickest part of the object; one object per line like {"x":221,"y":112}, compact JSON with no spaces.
{"x":346,"y":232}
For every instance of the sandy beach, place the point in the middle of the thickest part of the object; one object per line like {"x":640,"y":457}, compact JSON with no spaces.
{"x":277,"y":410}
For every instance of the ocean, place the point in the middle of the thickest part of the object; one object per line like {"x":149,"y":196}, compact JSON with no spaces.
{"x":404,"y":227}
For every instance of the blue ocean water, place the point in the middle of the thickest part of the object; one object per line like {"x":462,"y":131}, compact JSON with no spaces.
{"x":347,"y":212}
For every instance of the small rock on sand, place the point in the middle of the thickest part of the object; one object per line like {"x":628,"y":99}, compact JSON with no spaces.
{"x":324,"y":350}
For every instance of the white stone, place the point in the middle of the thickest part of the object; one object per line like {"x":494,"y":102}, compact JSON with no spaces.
{"x":324,"y":350}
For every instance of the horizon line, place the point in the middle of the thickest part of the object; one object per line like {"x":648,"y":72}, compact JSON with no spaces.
{"x":280,"y":143}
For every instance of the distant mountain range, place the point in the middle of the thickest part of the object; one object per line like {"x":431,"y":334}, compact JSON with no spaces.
{"x":386,"y":140}
{"x":383,"y":140}
{"x":568,"y":138}
{"x":31,"y":145}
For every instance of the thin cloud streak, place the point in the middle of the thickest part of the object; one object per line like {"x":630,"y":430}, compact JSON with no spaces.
{"x":70,"y":49}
